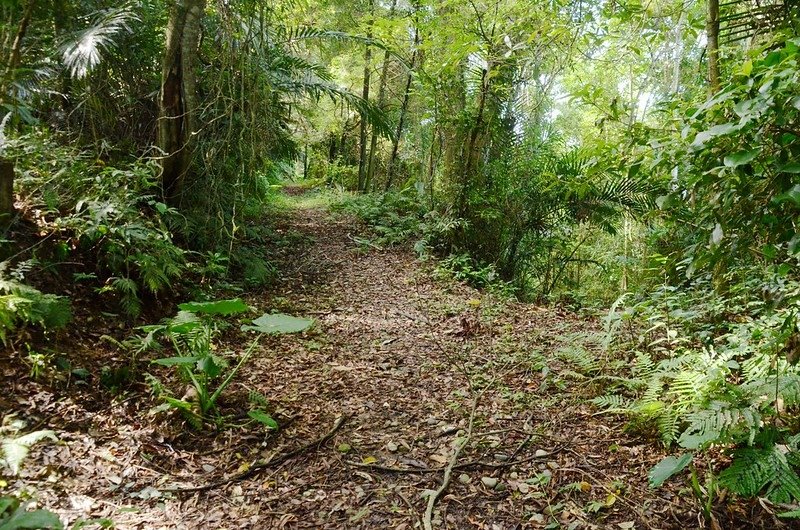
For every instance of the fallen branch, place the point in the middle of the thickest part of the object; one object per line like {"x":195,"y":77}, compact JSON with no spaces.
{"x":272,"y":462}
{"x":427,"y":522}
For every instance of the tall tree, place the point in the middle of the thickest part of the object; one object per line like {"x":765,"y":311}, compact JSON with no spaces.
{"x":177,"y":121}
{"x":403,"y":111}
{"x":373,"y":144}
{"x":362,"y":136}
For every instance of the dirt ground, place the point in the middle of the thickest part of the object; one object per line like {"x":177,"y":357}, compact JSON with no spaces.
{"x":410,"y":369}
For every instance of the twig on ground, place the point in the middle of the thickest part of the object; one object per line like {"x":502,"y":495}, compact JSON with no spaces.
{"x":448,"y":471}
{"x":272,"y":462}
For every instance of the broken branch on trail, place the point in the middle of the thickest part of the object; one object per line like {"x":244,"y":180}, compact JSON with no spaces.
{"x":272,"y":462}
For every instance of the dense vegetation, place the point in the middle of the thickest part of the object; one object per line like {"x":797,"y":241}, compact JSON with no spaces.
{"x":634,"y":160}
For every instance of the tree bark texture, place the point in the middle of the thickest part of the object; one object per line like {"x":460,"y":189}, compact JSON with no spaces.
{"x":177,"y":123}
{"x":15,"y":55}
{"x":6,"y":190}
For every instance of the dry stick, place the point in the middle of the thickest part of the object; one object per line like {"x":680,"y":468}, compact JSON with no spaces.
{"x":452,"y":464}
{"x":274,"y":461}
{"x":448,"y":472}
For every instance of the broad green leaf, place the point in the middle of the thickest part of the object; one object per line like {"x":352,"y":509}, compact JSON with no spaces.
{"x":14,"y":450}
{"x":792,"y":195}
{"x":35,"y":520}
{"x":747,"y":68}
{"x":176,"y":361}
{"x":209,"y":366}
{"x":717,"y":130}
{"x":741,"y":158}
{"x":791,"y":167}
{"x":278,"y":323}
{"x":219,"y":307}
{"x":667,"y":468}
{"x":262,"y":417}
{"x":183,"y":322}
{"x":178,"y":403}
{"x":8,"y":504}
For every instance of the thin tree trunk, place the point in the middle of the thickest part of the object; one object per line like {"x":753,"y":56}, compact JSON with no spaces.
{"x":343,"y":143}
{"x":7,"y":166}
{"x":678,"y":56}
{"x":362,"y":138}
{"x":15,"y":55}
{"x":373,"y":143}
{"x":6,"y":191}
{"x":712,"y":46}
{"x":403,"y":111}
{"x":177,"y":122}
{"x":471,"y":161}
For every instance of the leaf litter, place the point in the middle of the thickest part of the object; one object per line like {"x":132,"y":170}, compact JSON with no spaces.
{"x":399,"y":359}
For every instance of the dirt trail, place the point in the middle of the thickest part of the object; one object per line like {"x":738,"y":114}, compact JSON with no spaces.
{"x":404,"y":356}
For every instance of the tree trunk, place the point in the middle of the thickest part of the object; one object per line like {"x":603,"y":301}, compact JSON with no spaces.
{"x":362,"y":138}
{"x":373,"y":143}
{"x":15,"y":56}
{"x":6,"y":191}
{"x":678,"y":55}
{"x":402,"y":118}
{"x":177,"y":121}
{"x":471,"y":152}
{"x":712,"y":46}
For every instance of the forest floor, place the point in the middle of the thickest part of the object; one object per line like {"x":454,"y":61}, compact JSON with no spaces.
{"x":404,"y":368}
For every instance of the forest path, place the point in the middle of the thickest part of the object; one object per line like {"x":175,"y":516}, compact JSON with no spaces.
{"x":406,"y":358}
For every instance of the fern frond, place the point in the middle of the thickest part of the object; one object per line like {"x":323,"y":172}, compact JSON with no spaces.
{"x":755,"y":469}
{"x":257,"y":398}
{"x":128,"y":293}
{"x":613,"y":403}
{"x":580,"y":357}
{"x":720,"y":423}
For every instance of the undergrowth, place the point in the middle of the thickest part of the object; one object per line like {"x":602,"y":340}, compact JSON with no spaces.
{"x":711,"y":372}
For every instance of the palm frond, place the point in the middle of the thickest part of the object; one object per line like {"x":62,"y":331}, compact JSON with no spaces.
{"x":84,"y":50}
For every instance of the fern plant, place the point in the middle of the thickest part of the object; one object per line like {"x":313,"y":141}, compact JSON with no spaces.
{"x":22,"y":305}
{"x":769,"y":468}
{"x":191,"y":334}
{"x":735,"y":389}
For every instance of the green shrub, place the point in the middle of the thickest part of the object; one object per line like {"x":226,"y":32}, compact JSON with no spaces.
{"x":102,"y":214}
{"x":21,"y":305}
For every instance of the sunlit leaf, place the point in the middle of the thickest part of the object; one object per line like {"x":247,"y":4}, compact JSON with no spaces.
{"x":278,"y":323}
{"x":668,"y":467}
{"x":219,"y":307}
{"x":262,"y":417}
{"x":15,"y":450}
{"x":741,"y":158}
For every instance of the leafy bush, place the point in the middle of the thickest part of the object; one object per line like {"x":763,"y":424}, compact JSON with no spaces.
{"x":394,"y":217}
{"x":22,"y":305}
{"x":734,"y":162}
{"x":104,"y":214}
{"x":717,"y":370}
